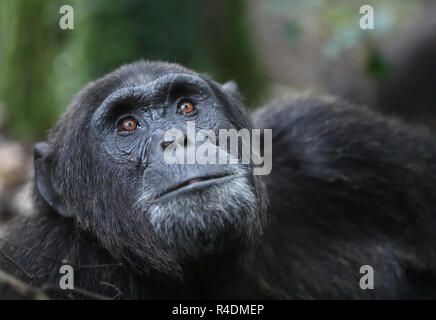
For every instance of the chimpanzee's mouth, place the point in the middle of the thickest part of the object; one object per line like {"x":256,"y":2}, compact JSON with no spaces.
{"x":192,"y":184}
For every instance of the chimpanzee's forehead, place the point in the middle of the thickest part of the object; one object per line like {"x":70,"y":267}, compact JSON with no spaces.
{"x":128,"y":76}
{"x":141,"y":73}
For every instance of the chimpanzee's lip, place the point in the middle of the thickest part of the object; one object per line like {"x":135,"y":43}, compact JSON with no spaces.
{"x":193,"y":184}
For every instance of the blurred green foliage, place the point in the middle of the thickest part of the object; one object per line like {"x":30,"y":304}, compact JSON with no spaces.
{"x":338,"y":20}
{"x":377,"y":65}
{"x":42,"y":66}
{"x":292,"y":31}
{"x":28,"y":46}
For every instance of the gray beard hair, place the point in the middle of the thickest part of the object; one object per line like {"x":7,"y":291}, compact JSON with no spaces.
{"x":203,"y":217}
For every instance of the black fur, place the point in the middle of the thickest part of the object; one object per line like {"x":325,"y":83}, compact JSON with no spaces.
{"x":348,"y":188}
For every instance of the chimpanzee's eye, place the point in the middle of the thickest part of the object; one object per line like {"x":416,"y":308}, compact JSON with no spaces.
{"x":128,"y":124}
{"x":186,"y":107}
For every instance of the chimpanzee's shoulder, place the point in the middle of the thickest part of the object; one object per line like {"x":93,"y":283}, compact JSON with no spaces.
{"x":332,"y":134}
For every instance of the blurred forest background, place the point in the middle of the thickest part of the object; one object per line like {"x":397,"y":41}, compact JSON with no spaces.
{"x":272,"y":49}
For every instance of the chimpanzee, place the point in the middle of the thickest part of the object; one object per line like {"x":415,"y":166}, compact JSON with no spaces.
{"x":348,"y":189}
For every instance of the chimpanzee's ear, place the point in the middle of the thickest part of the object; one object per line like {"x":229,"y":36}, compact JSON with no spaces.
{"x":232,"y":89}
{"x":44,"y":179}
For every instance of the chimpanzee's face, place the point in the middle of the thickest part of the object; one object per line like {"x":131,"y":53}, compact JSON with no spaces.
{"x":140,"y":206}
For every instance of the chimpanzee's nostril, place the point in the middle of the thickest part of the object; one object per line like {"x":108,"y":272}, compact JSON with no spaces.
{"x":181,"y":141}
{"x":165,"y":144}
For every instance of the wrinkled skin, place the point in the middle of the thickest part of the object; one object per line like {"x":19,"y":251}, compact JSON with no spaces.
{"x":348,"y":188}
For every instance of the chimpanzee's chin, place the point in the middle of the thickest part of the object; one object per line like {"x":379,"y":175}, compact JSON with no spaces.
{"x":208,"y":217}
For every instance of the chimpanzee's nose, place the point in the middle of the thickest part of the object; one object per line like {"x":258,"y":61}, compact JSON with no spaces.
{"x":181,"y":141}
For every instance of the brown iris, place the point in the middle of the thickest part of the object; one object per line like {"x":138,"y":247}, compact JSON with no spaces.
{"x":128,"y":125}
{"x":186,"y":107}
